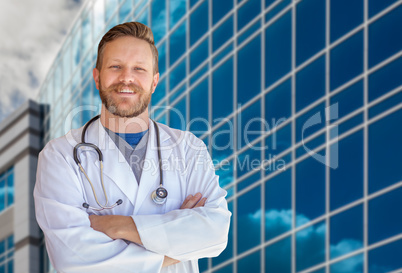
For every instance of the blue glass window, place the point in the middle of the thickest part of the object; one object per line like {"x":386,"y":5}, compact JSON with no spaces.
{"x":162,"y":59}
{"x":86,"y":33}
{"x":250,"y":263}
{"x":310,"y":246}
{"x":278,"y":257}
{"x":352,"y":264}
{"x":220,"y":8}
{"x":345,"y":16}
{"x":248,"y":220}
{"x":310,"y":83}
{"x":385,"y":36}
{"x":251,"y":30}
{"x":198,"y":22}
{"x":66,"y":68}
{"x":348,"y":100}
{"x":110,"y":8}
{"x":346,"y":232}
{"x":310,"y":190}
{"x":201,"y":72}
{"x":249,"y":71}
{"x":177,"y":74}
{"x":222,"y":140}
{"x":346,"y":60}
{"x":144,"y":17}
{"x":375,"y":6}
{"x":225,"y":51}
{"x":241,"y":185}
{"x":160,"y":92}
{"x":199,"y":123}
{"x":199,"y":54}
{"x":279,"y":6}
{"x":7,"y":254}
{"x":310,"y":122}
{"x":6,"y":188}
{"x":203,"y":264}
{"x":278,"y":141}
{"x":226,"y":269}
{"x":278,"y":205}
{"x":248,"y":161}
{"x":177,"y":115}
{"x":222,"y":34}
{"x":385,"y":79}
{"x":279,"y":164}
{"x":278,"y":103}
{"x":383,"y":258}
{"x":311,"y":145}
{"x":158,"y":15}
{"x":222,"y":90}
{"x":384,"y":219}
{"x":124,"y":10}
{"x":249,"y":124}
{"x":348,"y":175}
{"x":247,"y":12}
{"x":310,"y":30}
{"x":177,"y":42}
{"x":278,"y":49}
{"x":386,"y":104}
{"x":177,"y":9}
{"x":346,"y":125}
{"x":384,"y":152}
{"x":225,"y":171}
{"x":177,"y":93}
{"x":76,"y":48}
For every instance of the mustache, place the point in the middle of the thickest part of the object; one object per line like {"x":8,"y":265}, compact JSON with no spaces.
{"x":120,"y":86}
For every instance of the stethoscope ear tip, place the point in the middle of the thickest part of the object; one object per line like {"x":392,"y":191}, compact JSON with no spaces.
{"x":119,"y":202}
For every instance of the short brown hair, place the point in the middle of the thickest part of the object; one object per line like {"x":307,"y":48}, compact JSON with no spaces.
{"x":134,"y":29}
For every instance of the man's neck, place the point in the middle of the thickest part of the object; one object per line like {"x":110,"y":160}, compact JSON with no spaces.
{"x":124,"y":125}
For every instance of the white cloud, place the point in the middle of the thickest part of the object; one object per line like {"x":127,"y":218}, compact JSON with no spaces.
{"x":32,"y":32}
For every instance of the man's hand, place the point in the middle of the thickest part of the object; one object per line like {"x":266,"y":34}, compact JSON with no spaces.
{"x":193,"y":201}
{"x":123,"y":227}
{"x":116,"y":227}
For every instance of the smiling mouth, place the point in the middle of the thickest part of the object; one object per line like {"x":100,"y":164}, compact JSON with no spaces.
{"x":127,"y":91}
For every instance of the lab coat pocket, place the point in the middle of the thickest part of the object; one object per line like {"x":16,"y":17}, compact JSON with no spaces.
{"x":172,"y":204}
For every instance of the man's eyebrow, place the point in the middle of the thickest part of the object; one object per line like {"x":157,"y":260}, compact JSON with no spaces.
{"x":138,"y":61}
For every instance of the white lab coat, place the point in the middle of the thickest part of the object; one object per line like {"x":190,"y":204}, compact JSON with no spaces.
{"x":185,"y":235}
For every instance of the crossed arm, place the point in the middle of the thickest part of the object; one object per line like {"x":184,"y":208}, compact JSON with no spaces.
{"x":123,"y":227}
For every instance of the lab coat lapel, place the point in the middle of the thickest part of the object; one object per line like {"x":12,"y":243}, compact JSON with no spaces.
{"x":150,"y":178}
{"x":115,"y":165}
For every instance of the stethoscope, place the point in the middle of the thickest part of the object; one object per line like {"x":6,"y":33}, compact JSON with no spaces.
{"x":158,"y":196}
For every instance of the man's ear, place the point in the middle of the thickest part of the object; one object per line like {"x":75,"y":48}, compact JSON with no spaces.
{"x":95,"y":74}
{"x":155,"y":82}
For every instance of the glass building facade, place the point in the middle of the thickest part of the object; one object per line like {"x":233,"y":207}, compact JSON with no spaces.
{"x":300,"y":105}
{"x":7,"y":255}
{"x":6,"y":189}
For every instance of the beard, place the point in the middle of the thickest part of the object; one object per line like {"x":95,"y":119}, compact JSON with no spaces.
{"x":114,"y":105}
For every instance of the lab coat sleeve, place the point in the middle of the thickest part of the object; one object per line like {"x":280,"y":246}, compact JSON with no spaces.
{"x":188,"y":234}
{"x":72,"y":245}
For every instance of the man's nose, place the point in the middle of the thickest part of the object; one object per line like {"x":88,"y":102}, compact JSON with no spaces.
{"x":126,"y":76}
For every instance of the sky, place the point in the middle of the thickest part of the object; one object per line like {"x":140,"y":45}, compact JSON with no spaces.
{"x":31,"y":35}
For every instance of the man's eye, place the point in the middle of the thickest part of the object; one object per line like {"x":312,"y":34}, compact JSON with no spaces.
{"x":115,"y":66}
{"x":138,"y":68}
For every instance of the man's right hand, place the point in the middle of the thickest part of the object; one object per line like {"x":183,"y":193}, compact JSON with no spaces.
{"x":189,"y":203}
{"x":193,"y":201}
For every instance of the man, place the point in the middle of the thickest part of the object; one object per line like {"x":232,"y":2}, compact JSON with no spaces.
{"x":83,"y":232}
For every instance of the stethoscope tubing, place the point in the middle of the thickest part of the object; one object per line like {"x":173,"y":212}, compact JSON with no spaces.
{"x":158,"y":196}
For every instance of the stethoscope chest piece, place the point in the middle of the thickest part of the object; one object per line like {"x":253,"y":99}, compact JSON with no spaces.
{"x":159,"y":195}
